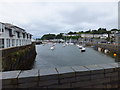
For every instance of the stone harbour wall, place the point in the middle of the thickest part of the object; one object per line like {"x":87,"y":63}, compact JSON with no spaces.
{"x":90,"y":76}
{"x":18,"y":58}
{"x":112,"y":48}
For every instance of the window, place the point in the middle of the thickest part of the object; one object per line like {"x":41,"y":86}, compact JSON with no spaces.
{"x":14,"y":32}
{"x":2,"y":30}
{"x":1,"y":43}
{"x":30,"y":36}
{"x":23,"y":35}
{"x":18,"y":34}
{"x":11,"y":34}
{"x":20,"y":42}
{"x":8,"y":42}
{"x":27,"y":36}
{"x":16,"y":42}
{"x":13,"y":42}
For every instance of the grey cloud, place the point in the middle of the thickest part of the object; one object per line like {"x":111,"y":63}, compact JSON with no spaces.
{"x":87,"y":14}
{"x":42,"y":18}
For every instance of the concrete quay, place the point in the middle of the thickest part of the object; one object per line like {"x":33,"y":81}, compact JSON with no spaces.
{"x":90,"y":76}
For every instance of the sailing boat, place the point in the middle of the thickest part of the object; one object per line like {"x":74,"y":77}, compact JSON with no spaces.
{"x":83,"y":49}
{"x":70,"y":42}
{"x":52,"y":47}
{"x":80,"y":47}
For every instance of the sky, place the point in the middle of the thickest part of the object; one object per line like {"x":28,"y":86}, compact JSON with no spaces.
{"x":44,"y":17}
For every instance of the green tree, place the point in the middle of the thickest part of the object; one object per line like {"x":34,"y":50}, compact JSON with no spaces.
{"x":102,"y":31}
{"x":72,"y":33}
{"x":94,"y":32}
{"x":48,"y":36}
{"x":59,"y":36}
{"x":88,"y":31}
{"x":114,"y":30}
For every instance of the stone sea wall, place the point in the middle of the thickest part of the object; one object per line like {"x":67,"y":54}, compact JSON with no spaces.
{"x":18,"y":58}
{"x":91,"y":76}
{"x":110,"y":47}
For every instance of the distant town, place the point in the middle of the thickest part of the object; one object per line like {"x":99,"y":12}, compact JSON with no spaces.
{"x":99,"y":36}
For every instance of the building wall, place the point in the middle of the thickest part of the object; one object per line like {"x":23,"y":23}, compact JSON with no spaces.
{"x":94,"y":35}
{"x":12,"y":41}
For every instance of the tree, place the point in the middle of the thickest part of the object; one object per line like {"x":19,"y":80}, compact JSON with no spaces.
{"x":88,"y":31}
{"x":94,"y":32}
{"x":102,"y":31}
{"x":48,"y":36}
{"x":72,"y":33}
{"x":59,"y":36}
{"x":114,"y":30}
{"x":81,"y":32}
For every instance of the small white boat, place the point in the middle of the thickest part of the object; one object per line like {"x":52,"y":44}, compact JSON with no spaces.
{"x":80,"y":47}
{"x":71,"y":43}
{"x":83,"y":49}
{"x":67,"y":44}
{"x":52,"y":48}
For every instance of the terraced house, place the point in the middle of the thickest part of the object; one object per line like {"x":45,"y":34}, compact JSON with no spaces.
{"x":12,"y":36}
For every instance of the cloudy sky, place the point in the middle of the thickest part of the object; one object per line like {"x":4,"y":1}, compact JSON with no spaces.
{"x":39,"y":18}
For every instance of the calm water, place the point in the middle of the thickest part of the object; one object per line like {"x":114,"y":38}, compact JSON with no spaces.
{"x":68,"y":56}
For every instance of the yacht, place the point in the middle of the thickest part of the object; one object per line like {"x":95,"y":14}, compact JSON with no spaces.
{"x":52,"y":47}
{"x":80,"y":47}
{"x":83,"y":49}
{"x":67,"y":44}
{"x":71,"y":43}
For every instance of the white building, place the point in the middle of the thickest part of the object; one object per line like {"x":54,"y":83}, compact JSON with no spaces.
{"x":94,"y":36}
{"x":11,"y":36}
{"x":70,"y":35}
{"x":87,"y":35}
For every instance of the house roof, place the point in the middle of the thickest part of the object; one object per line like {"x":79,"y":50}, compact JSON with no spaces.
{"x":8,"y":25}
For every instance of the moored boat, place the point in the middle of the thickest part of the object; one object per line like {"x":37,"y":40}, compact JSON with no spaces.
{"x":52,"y":48}
{"x":83,"y":49}
{"x":80,"y":47}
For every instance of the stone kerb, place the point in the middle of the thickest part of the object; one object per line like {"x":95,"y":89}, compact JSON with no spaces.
{"x":95,"y":76}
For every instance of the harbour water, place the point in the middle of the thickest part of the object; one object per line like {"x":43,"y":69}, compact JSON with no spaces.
{"x":68,"y":56}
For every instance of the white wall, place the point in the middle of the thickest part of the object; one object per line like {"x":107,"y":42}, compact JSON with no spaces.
{"x":14,"y":40}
